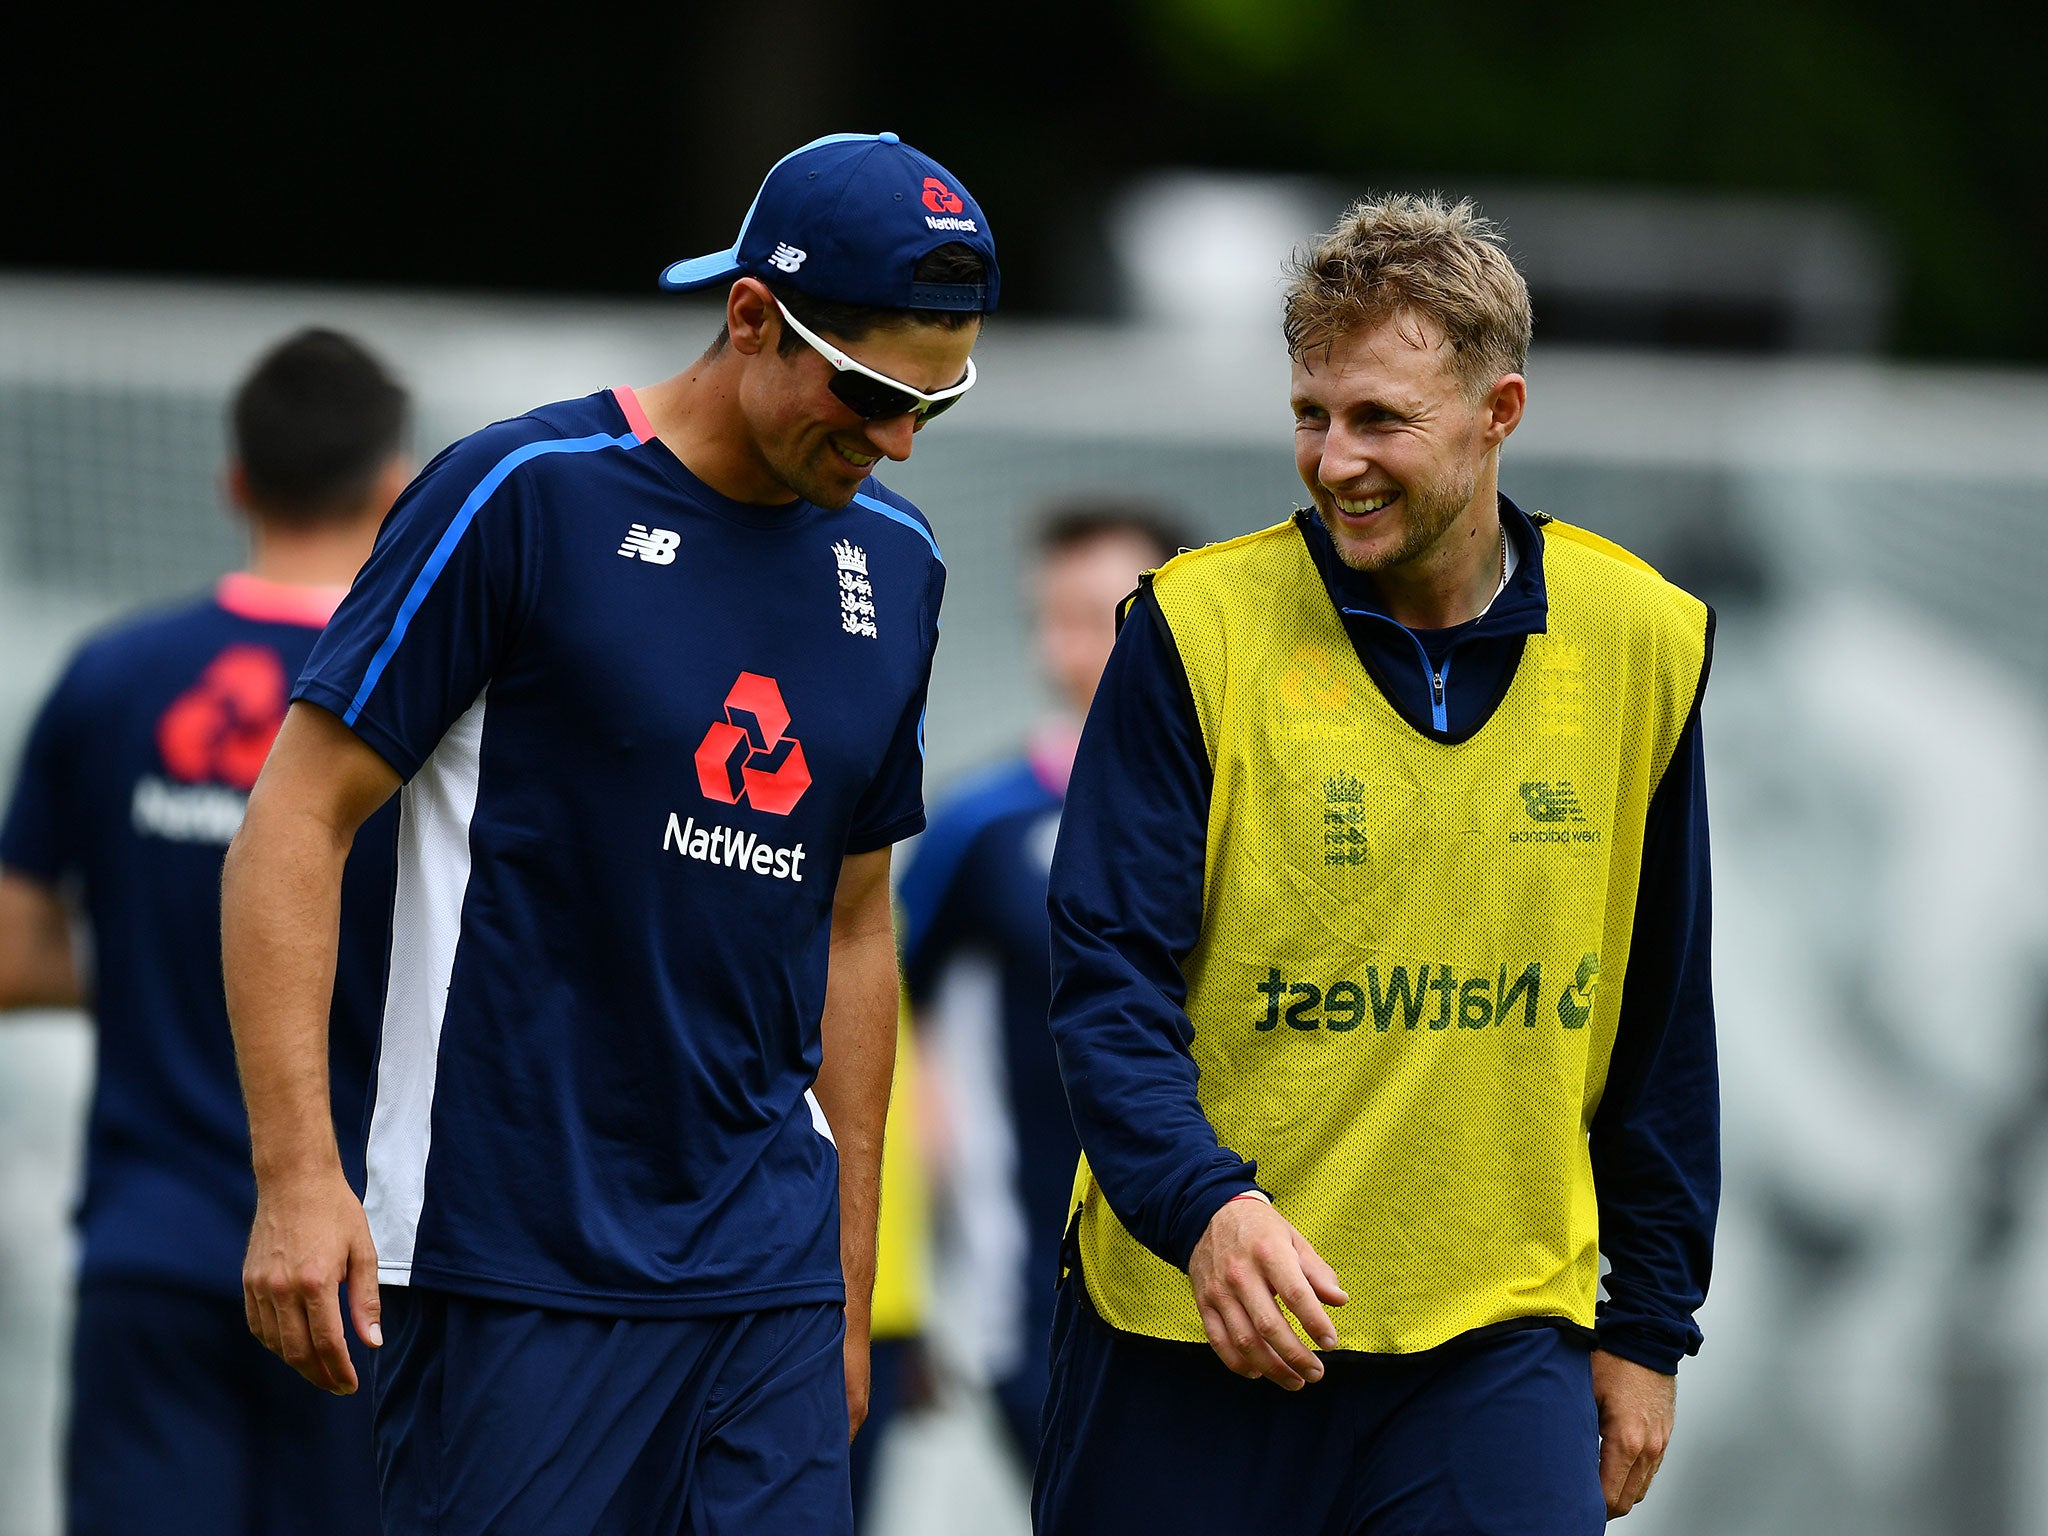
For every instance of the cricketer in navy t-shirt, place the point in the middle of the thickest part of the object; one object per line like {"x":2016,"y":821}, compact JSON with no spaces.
{"x":134,"y":778}
{"x":132,"y":784}
{"x":640,"y":724}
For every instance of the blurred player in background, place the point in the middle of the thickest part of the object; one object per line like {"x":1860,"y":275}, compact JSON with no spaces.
{"x":651,"y":667}
{"x":978,"y":963}
{"x":134,"y":779}
{"x":1381,"y":984}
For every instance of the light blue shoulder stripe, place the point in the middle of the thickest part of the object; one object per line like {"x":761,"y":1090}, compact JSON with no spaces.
{"x":896,"y":515}
{"x":438,"y":560}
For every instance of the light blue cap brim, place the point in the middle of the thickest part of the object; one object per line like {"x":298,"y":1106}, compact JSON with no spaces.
{"x":701,"y":271}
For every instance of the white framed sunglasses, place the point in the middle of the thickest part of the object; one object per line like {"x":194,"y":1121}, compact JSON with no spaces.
{"x":871,"y":395}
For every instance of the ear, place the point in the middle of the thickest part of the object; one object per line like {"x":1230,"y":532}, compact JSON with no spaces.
{"x":392,"y":479}
{"x":1505,"y":403}
{"x":234,"y":484}
{"x":750,"y":316}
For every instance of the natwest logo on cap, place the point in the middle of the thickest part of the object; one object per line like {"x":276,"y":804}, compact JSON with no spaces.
{"x":749,"y":757}
{"x":941,"y":198}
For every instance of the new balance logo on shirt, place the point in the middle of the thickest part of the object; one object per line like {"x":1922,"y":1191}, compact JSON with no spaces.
{"x":657,"y":546}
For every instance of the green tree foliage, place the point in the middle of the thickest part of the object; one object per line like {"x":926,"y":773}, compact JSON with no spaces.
{"x":1928,"y":120}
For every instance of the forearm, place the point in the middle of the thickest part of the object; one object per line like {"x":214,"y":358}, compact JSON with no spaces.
{"x":37,"y":969}
{"x":280,"y":920}
{"x":854,"y":1077}
{"x":1123,"y":1042}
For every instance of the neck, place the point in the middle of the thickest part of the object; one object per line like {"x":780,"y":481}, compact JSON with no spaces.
{"x":1454,"y":580}
{"x":697,"y":416}
{"x":327,"y":556}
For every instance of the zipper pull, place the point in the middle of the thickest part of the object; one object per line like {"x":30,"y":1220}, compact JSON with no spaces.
{"x":1436,"y":684}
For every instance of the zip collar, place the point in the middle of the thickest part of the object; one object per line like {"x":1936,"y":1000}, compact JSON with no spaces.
{"x":1523,"y":609}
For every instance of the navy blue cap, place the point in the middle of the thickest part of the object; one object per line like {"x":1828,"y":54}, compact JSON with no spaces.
{"x":847,"y":218}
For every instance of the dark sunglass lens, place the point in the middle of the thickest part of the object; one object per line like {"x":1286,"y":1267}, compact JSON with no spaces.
{"x":871,"y":399}
{"x":939,"y":408}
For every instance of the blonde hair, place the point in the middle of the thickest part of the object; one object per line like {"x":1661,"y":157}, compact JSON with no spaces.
{"x":1399,"y":255}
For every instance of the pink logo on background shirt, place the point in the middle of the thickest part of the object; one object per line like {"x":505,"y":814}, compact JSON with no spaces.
{"x":220,"y":729}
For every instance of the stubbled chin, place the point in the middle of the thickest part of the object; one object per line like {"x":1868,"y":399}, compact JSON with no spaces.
{"x":1359,"y":550}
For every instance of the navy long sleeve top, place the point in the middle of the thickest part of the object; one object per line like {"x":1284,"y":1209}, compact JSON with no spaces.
{"x":1126,"y":910}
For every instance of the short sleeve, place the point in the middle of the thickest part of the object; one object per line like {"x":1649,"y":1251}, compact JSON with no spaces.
{"x":937,"y":895}
{"x":446,"y":589}
{"x":37,"y":837}
{"x":892,"y":807}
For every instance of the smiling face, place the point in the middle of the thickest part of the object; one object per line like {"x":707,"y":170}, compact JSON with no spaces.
{"x":1393,"y":449}
{"x":807,"y":438}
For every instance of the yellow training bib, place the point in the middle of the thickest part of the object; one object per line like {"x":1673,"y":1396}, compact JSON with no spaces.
{"x":1413,"y":952}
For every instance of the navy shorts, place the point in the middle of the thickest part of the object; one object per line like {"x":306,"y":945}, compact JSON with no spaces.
{"x":1494,"y":1437}
{"x":182,"y":1424}
{"x":523,"y":1421}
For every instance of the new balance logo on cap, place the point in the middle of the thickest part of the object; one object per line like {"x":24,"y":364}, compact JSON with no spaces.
{"x":787,"y":258}
{"x":657,"y":546}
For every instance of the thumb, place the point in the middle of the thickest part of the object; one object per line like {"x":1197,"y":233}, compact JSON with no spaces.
{"x":365,"y":1306}
{"x":1321,"y":1278}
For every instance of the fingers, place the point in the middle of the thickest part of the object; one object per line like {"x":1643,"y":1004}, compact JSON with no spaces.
{"x":329,"y":1343}
{"x":365,"y":1306}
{"x":1252,"y":1337}
{"x":1248,"y":1263}
{"x":1241,"y":1345}
{"x":1299,"y":1363}
{"x":859,"y":1369}
{"x":1615,"y":1465}
{"x":1323,"y":1280}
{"x":1625,"y":1476}
{"x":1304,"y":1298}
{"x":263,"y":1321}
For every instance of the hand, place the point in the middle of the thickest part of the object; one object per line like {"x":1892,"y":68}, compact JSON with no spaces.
{"x":1250,"y":1255}
{"x":310,"y":1236}
{"x":857,"y":1369}
{"x":1637,"y":1406}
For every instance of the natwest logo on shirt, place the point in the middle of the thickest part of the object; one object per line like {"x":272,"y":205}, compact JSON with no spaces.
{"x":749,"y":757}
{"x":220,"y":729}
{"x":212,"y":740}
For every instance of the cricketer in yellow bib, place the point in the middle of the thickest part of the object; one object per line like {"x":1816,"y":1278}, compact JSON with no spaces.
{"x":1413,"y":952}
{"x":1381,"y":932}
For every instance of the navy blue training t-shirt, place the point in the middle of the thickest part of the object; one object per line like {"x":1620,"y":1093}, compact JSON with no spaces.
{"x":133,"y":782}
{"x":640,"y":725}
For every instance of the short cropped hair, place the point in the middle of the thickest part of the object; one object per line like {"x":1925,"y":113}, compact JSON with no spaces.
{"x":1419,"y":257}
{"x":1079,"y":520}
{"x":312,"y":426}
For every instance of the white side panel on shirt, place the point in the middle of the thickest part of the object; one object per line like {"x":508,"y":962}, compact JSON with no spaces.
{"x":434,"y":814}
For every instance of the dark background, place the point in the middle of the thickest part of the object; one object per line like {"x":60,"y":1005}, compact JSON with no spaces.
{"x":577,"y":149}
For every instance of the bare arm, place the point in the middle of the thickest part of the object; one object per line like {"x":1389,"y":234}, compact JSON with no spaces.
{"x":280,"y":923}
{"x":853,"y":1086}
{"x":36,"y":965}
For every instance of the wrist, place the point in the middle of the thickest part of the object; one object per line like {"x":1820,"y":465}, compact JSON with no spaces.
{"x":281,"y":1167}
